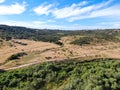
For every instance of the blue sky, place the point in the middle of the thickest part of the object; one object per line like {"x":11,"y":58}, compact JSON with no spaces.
{"x":61,"y":14}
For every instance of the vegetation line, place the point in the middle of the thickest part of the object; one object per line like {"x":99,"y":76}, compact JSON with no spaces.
{"x":66,"y":75}
{"x":65,"y":59}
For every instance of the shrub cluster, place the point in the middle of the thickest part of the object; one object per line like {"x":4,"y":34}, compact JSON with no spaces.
{"x":65,"y":75}
{"x":16,"y":56}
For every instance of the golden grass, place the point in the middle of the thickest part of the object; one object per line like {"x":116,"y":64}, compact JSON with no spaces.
{"x":39,"y":51}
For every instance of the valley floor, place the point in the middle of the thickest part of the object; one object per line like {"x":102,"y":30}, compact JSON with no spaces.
{"x":38,"y":52}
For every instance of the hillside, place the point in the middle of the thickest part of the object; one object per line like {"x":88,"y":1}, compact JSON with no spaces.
{"x":32,"y":59}
{"x":47,"y":35}
{"x":101,"y":74}
{"x":38,"y":52}
{"x":42,"y":45}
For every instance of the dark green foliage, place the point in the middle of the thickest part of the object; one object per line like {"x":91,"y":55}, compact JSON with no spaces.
{"x":102,"y":74}
{"x":47,"y":35}
{"x":21,"y":43}
{"x":32,"y":34}
{"x":16,"y":56}
{"x":1,"y":40}
{"x":82,"y":41}
{"x":48,"y":57}
{"x":1,"y":70}
{"x":95,"y":39}
{"x":59,"y":43}
{"x":7,"y":38}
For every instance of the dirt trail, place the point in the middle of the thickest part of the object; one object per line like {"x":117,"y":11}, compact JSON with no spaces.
{"x":33,"y":63}
{"x":51,"y":60}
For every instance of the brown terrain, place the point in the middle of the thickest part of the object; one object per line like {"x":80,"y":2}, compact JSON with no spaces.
{"x":38,"y":52}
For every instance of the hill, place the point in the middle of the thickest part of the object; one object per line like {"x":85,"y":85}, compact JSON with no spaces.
{"x":50,"y":45}
{"x":43,"y":59}
{"x":8,"y":32}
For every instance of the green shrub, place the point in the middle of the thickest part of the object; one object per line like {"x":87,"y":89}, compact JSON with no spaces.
{"x":16,"y":56}
{"x":82,"y":41}
{"x":65,"y":75}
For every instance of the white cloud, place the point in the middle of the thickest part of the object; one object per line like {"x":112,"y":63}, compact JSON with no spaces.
{"x":66,"y":12}
{"x":114,"y":24}
{"x":75,"y":10}
{"x":12,"y":9}
{"x":51,"y":21}
{"x":110,"y":12}
{"x":38,"y":22}
{"x":47,"y":9}
{"x":43,"y":9}
{"x":69,"y":11}
{"x":78,"y":11}
{"x":83,"y":3}
{"x":1,"y":1}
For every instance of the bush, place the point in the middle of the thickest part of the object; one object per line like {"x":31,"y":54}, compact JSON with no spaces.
{"x":16,"y":56}
{"x":59,"y":43}
{"x":82,"y":41}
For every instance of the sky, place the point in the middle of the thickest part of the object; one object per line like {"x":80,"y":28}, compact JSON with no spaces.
{"x":61,"y":14}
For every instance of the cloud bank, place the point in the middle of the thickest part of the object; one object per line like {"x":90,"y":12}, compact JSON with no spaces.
{"x":1,"y":1}
{"x":12,"y":9}
{"x":80,"y":11}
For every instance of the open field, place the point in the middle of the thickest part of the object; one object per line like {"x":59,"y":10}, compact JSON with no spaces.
{"x":38,"y":51}
{"x":39,"y":46}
